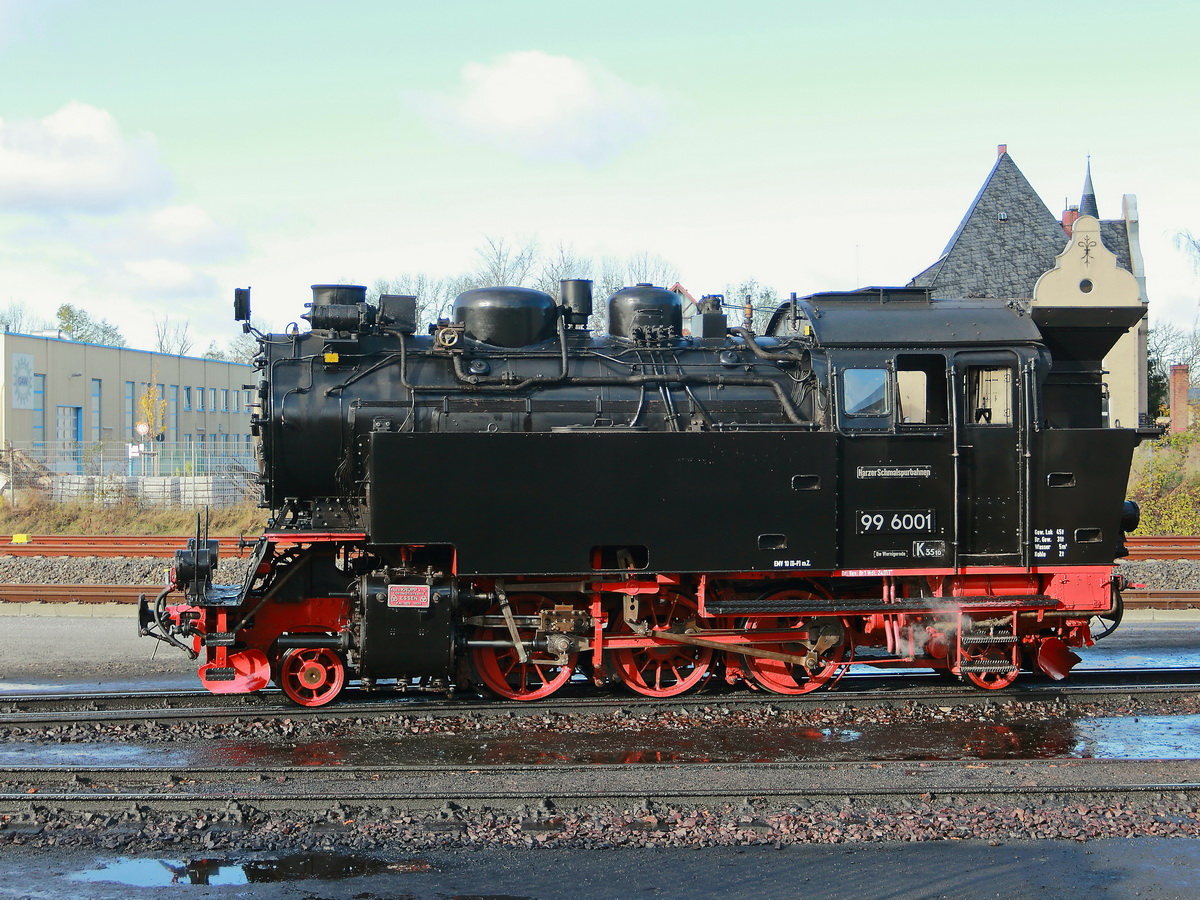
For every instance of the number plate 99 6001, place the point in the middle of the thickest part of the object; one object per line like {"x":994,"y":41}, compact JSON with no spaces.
{"x":895,"y":521}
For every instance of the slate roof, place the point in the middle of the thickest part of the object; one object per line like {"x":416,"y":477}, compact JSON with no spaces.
{"x":1115,"y":236}
{"x":1007,"y":239}
{"x":1087,"y":203}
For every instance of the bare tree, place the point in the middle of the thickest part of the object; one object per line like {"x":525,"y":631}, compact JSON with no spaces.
{"x":20,"y":318}
{"x":520,"y":265}
{"x":762,"y":299}
{"x":503,"y":264}
{"x":610,"y":277}
{"x":434,"y":295}
{"x":645,"y":268}
{"x":1190,"y":245}
{"x":1169,"y":344}
{"x":562,"y":264}
{"x":171,"y":338}
{"x":82,"y":326}
{"x":214,"y":352}
{"x":244,"y":346}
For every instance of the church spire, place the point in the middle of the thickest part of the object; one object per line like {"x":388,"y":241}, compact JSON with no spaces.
{"x":1087,"y":203}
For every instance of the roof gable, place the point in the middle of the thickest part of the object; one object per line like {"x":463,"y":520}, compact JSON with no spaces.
{"x":1006,"y":240}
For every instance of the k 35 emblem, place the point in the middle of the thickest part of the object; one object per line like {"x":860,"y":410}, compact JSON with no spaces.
{"x":929,"y":550}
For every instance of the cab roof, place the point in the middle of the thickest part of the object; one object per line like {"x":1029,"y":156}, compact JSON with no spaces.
{"x":908,"y":317}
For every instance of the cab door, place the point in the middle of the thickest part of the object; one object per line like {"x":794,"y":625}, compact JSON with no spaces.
{"x":896,"y":457}
{"x":991,"y":459}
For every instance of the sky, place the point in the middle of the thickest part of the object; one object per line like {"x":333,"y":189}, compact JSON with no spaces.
{"x":156,"y":155}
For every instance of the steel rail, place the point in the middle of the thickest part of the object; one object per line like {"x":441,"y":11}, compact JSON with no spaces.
{"x":866,"y":690}
{"x":1160,"y":547}
{"x":105,"y":545}
{"x":75,"y":593}
{"x":361,"y":785}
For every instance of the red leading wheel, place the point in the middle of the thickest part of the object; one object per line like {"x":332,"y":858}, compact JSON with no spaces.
{"x":500,"y":668}
{"x":311,"y":676}
{"x":821,"y":641}
{"x":664,"y":670}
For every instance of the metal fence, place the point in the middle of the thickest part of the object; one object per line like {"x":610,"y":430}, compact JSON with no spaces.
{"x":147,"y":474}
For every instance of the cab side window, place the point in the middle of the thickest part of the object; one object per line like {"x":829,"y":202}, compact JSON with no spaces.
{"x":921,"y":390}
{"x":989,"y":395}
{"x":865,"y":392}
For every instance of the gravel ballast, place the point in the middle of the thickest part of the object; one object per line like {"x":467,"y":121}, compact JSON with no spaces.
{"x":243,"y":827}
{"x":857,"y":817}
{"x":146,"y":570}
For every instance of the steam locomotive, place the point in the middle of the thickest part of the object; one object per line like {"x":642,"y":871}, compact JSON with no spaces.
{"x":513,"y":501}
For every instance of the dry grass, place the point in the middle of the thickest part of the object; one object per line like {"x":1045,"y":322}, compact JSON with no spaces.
{"x":42,"y":517}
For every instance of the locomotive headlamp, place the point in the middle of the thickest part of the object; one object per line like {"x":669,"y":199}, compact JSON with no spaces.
{"x":1131,"y":516}
{"x":241,"y":304}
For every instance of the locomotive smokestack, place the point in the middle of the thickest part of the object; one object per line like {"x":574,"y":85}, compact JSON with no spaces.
{"x":576,"y":294}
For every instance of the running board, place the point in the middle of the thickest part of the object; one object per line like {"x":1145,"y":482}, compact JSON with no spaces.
{"x":908,"y":604}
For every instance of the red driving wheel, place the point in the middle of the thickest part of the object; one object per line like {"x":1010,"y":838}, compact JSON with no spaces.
{"x":664,"y":670}
{"x":822,"y":640}
{"x":500,"y":667}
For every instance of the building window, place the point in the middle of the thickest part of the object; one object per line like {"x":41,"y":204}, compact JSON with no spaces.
{"x":199,"y":399}
{"x":212,"y":399}
{"x":249,"y":401}
{"x":94,"y":413}
{"x":173,"y":414}
{"x":237,"y":401}
{"x":187,"y":398}
{"x":39,"y":410}
{"x":129,"y":395}
{"x":224,"y":399}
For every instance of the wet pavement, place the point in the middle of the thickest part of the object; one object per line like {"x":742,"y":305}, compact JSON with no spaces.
{"x":1114,"y":869}
{"x":224,"y":870}
{"x":96,"y":654}
{"x":1165,"y":737}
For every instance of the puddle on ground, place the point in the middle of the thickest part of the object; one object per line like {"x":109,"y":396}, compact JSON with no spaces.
{"x":295,"y":867}
{"x":1114,"y":737}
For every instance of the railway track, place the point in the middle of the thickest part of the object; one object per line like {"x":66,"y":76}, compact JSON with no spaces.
{"x":1163,"y":547}
{"x":75,"y":593}
{"x":860,"y":691}
{"x":106,"y":545}
{"x":162,"y":787}
{"x":165,"y":545}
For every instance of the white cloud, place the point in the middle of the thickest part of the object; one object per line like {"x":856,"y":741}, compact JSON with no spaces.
{"x":93,"y":206}
{"x":76,"y":160}
{"x":184,"y":233}
{"x":165,"y":279}
{"x":546,"y":108}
